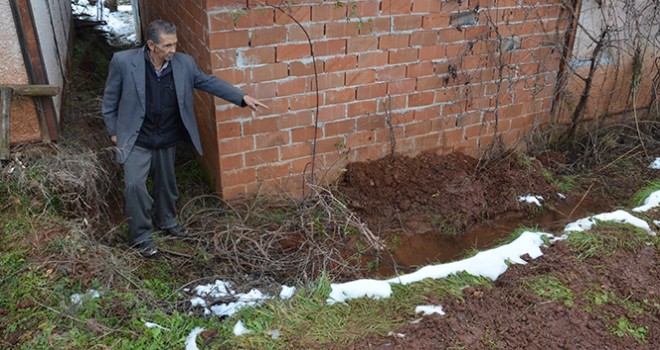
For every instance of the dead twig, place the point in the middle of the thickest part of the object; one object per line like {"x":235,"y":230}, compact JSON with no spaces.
{"x":580,"y":202}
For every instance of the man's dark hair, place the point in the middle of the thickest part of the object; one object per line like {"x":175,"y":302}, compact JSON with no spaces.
{"x":158,"y":27}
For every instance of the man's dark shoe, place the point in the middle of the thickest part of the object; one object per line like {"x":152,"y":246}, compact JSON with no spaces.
{"x":176,"y":231}
{"x":147,"y":249}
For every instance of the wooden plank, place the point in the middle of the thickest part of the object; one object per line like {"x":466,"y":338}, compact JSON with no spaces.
{"x":33,"y":90}
{"x":4,"y":124}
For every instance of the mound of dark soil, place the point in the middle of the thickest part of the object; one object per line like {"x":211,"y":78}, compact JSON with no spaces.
{"x":452,"y":190}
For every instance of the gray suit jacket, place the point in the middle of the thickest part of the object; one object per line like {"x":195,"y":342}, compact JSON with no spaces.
{"x":124,"y":96}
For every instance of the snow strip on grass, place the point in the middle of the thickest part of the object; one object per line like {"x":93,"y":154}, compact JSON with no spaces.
{"x":429,"y":310}
{"x":650,"y":202}
{"x":191,"y":339}
{"x":361,"y":288}
{"x":222,"y":290}
{"x":620,"y":216}
{"x":152,"y":325}
{"x":531,"y":199}
{"x":90,"y":294}
{"x":287,"y":292}
{"x":240,"y":329}
{"x":490,"y":263}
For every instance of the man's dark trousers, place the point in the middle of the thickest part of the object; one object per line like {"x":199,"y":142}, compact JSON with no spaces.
{"x":140,"y":163}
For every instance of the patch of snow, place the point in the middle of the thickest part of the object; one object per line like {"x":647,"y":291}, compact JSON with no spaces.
{"x":531,"y":199}
{"x":397,"y":335}
{"x":197,"y":301}
{"x":152,"y":325}
{"x":91,"y":294}
{"x":240,"y":329}
{"x":359,"y":288}
{"x":620,"y":216}
{"x":429,"y":309}
{"x":650,"y":202}
{"x":252,"y":298}
{"x":655,"y":164}
{"x":119,"y":25}
{"x":287,"y":292}
{"x":191,"y":339}
{"x":222,"y":290}
{"x":489,"y":263}
{"x":274,"y":334}
{"x":215,"y":290}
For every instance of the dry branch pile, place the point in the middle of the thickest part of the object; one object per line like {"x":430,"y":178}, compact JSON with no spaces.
{"x":283,"y":239}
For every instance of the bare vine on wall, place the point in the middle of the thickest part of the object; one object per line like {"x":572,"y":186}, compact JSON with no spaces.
{"x":287,"y":12}
{"x":619,"y":42}
{"x":588,"y":82}
{"x":390,"y":126}
{"x":511,"y":82}
{"x":620,"y":39}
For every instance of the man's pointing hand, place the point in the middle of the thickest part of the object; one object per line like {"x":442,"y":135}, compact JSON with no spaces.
{"x":253,"y":103}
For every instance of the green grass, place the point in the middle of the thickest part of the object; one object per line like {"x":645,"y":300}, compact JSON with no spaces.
{"x":36,"y":296}
{"x":307,"y":321}
{"x":21,"y":285}
{"x":623,"y":327}
{"x":599,"y":298}
{"x":640,"y":196}
{"x":605,"y":239}
{"x":564,"y":183}
{"x":40,"y":311}
{"x":550,"y":287}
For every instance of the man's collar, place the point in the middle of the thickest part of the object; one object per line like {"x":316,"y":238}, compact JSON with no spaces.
{"x":147,"y":57}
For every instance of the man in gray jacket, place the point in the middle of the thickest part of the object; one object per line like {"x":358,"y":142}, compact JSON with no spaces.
{"x":147,"y":109}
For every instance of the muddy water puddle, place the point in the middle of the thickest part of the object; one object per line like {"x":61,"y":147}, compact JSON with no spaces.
{"x":420,"y":249}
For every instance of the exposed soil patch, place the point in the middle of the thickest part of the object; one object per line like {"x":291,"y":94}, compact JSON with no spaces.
{"x":446,"y":193}
{"x":614,"y":303}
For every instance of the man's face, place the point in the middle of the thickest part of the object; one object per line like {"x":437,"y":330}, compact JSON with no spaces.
{"x":165,"y":49}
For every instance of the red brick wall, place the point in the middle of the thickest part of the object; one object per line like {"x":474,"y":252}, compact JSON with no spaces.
{"x":449,"y":73}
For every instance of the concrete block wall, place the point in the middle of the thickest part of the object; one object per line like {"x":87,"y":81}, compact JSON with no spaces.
{"x":430,"y":74}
